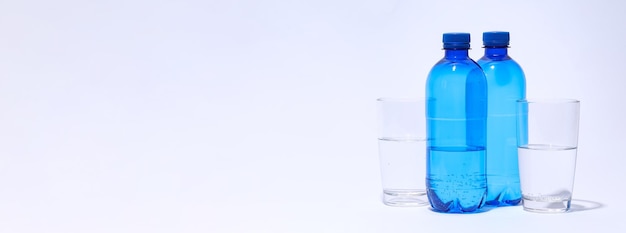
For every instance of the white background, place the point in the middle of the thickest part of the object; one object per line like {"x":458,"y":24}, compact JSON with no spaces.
{"x":259,"y":116}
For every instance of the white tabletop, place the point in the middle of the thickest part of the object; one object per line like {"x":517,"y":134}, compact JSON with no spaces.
{"x":259,"y":116}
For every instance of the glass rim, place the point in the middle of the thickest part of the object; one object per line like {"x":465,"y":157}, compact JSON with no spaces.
{"x":549,"y":101}
{"x":399,"y":99}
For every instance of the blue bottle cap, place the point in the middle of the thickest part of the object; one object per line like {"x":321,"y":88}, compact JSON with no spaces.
{"x":456,"y":40}
{"x":496,"y":39}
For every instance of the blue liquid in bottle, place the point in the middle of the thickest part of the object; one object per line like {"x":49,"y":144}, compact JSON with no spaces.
{"x":506,"y":84}
{"x":456,"y":93}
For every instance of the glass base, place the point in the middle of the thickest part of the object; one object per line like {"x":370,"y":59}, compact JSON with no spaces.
{"x":541,"y":206}
{"x":405,"y":198}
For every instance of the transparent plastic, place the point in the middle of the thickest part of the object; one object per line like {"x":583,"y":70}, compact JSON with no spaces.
{"x":505,"y":84}
{"x":456,"y":92}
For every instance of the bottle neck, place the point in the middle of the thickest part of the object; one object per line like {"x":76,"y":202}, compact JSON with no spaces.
{"x":495,"y":52}
{"x":456,"y":53}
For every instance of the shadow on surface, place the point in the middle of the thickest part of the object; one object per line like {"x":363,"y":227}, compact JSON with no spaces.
{"x":578,"y":205}
{"x":485,"y":208}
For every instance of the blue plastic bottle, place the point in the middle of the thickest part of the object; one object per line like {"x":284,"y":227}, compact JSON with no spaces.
{"x":506,"y":84}
{"x":456,"y":92}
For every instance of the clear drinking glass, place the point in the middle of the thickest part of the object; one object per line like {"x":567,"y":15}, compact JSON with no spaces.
{"x":402,"y":151}
{"x":547,"y":146}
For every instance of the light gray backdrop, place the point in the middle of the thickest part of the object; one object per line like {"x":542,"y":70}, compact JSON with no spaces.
{"x":259,"y":116}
